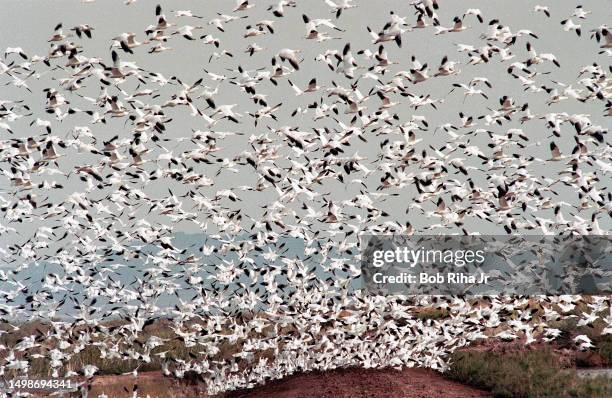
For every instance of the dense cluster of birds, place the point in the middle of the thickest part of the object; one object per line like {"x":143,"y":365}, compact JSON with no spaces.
{"x":108,"y":163}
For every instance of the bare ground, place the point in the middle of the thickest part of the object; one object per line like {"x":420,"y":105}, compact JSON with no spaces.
{"x":340,"y":383}
{"x":363,"y":383}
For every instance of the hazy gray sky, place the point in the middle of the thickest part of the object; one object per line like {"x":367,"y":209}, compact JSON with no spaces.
{"x":29,"y":24}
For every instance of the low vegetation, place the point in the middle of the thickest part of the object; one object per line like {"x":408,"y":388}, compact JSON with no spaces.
{"x":600,"y":355}
{"x":536,"y":373}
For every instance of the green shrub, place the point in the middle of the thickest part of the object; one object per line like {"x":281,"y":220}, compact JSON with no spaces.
{"x":604,"y":347}
{"x":524,"y":374}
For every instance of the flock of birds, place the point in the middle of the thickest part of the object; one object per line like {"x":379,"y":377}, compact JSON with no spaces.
{"x":282,"y":167}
